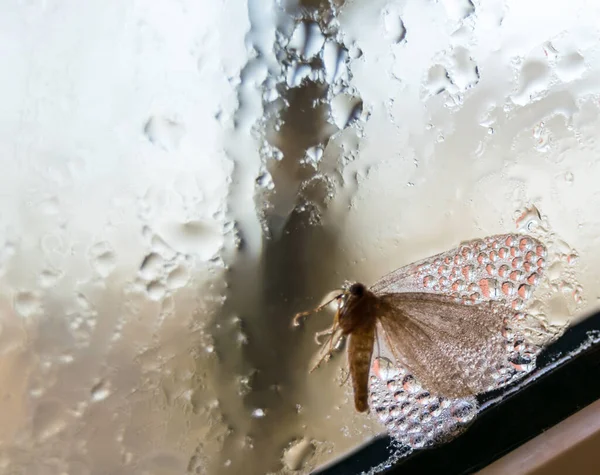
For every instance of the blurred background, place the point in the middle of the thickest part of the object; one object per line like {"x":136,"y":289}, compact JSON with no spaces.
{"x":180,"y":177}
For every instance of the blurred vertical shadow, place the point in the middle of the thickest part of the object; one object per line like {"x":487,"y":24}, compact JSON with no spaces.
{"x":295,"y":264}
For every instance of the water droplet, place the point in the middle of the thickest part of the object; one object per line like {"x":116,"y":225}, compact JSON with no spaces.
{"x":345,"y":109}
{"x":463,"y":411}
{"x":265,"y":180}
{"x":297,"y":454}
{"x":307,"y":40}
{"x":297,"y":73}
{"x":569,"y":177}
{"x":258,"y":413}
{"x":314,"y":155}
{"x":156,"y":290}
{"x":459,"y":9}
{"x":394,"y":26}
{"x":178,"y":277}
{"x":534,"y":79}
{"x":490,"y":288}
{"x":570,"y":67}
{"x":465,"y":73}
{"x":438,"y":80}
{"x":529,"y":220}
{"x":100,"y":391}
{"x":409,"y":384}
{"x":50,"y":206}
{"x":541,"y":137}
{"x":49,"y":277}
{"x":508,"y":289}
{"x":27,"y":304}
{"x":102,"y":258}
{"x":49,"y":420}
{"x":165,"y":133}
{"x":152,"y":266}
{"x":334,"y":61}
{"x":202,"y":238}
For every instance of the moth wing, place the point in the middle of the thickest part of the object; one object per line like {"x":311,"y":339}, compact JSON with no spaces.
{"x":452,"y":349}
{"x":476,"y":270}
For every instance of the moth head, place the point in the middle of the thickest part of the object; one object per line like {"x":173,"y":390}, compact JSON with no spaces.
{"x":349,"y":305}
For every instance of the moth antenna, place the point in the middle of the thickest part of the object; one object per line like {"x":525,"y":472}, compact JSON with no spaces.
{"x":298,"y":316}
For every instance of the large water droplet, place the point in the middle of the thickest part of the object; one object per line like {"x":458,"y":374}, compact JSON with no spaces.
{"x":152,"y":266}
{"x":345,"y":109}
{"x":570,"y":67}
{"x":394,"y":26}
{"x":178,"y":277}
{"x":306,"y":40}
{"x":296,"y":455}
{"x":334,"y":61}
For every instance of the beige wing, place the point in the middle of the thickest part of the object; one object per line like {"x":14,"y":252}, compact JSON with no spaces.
{"x":452,"y":349}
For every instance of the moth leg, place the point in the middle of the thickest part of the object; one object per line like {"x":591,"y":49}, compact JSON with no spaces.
{"x":331,"y":345}
{"x":300,"y":315}
{"x":323,"y":358}
{"x":346,"y":375}
{"x":327,"y":332}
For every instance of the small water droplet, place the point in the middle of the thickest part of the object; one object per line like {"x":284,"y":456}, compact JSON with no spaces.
{"x":529,"y":220}
{"x":178,"y":277}
{"x":463,"y":411}
{"x":314,"y":155}
{"x":542,"y":137}
{"x":156,"y":290}
{"x":49,"y":277}
{"x":49,"y":420}
{"x":165,"y":133}
{"x":152,"y":266}
{"x":409,"y":384}
{"x":394,"y":26}
{"x":438,"y":80}
{"x":297,"y":73}
{"x":345,"y":109}
{"x":569,"y":177}
{"x":265,"y":180}
{"x":50,"y":206}
{"x":27,"y":304}
{"x":102,"y":258}
{"x":100,"y":391}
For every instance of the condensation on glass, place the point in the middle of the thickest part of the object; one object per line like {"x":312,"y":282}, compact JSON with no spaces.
{"x":179,"y":178}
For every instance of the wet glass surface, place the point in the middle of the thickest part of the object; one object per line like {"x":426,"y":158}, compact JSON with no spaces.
{"x":180,"y":178}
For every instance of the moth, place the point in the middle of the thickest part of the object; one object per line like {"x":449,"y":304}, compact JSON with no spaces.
{"x":444,"y":318}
